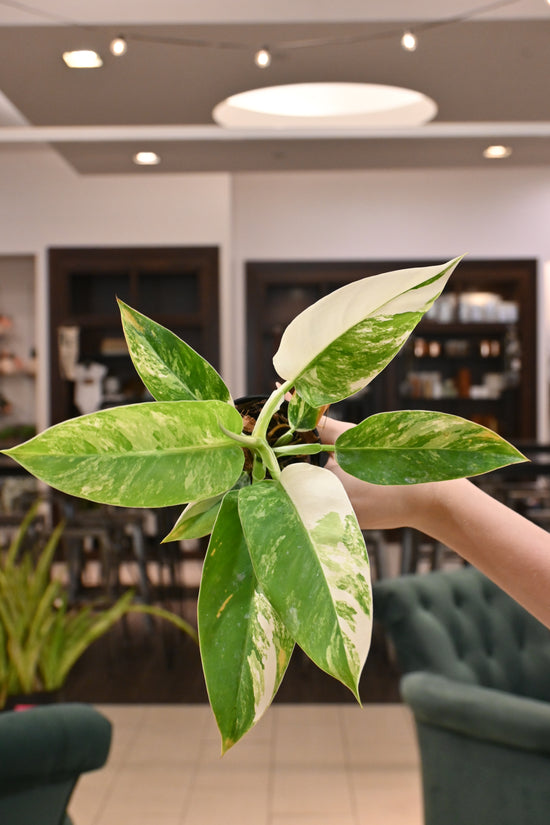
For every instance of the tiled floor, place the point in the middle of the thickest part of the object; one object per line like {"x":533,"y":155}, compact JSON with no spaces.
{"x":301,"y":765}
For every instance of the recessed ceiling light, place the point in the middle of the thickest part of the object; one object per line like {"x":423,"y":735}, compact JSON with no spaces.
{"x":497,"y":151}
{"x":319,"y":105}
{"x":82,"y":59}
{"x":146,"y":158}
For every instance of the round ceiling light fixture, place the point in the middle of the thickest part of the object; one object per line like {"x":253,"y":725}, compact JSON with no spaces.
{"x":325,"y":105}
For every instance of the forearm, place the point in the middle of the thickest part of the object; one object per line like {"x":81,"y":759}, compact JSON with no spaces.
{"x":512,"y":551}
{"x":509,"y":549}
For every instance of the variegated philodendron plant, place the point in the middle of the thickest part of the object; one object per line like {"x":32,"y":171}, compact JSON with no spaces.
{"x":286,"y":562}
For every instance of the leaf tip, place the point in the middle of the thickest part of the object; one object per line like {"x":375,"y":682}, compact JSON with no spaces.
{"x":227,"y":744}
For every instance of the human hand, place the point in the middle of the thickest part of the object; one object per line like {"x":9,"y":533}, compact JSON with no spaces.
{"x":377,"y":506}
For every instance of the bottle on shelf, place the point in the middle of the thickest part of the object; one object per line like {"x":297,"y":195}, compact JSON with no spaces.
{"x":512,"y":358}
{"x":5,"y":405}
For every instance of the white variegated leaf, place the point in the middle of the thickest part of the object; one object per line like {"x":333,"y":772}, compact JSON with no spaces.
{"x":141,"y":455}
{"x":245,"y":647}
{"x":198,"y":518}
{"x":340,"y":343}
{"x":310,"y":559}
{"x":416,"y":446}
{"x":170,"y":369}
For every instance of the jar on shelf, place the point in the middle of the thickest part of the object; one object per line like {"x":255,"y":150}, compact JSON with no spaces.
{"x":8,"y":363}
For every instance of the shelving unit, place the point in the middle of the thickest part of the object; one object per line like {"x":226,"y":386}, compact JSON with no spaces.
{"x":17,"y":349}
{"x":473,"y":355}
{"x":473,"y":370}
{"x":177,"y":287}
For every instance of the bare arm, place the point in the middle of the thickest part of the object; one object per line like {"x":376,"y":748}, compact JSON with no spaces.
{"x":511,"y":550}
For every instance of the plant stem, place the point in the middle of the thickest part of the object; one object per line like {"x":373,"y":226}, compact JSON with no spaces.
{"x":269,"y":459}
{"x":251,"y":442}
{"x":257,"y":445}
{"x":269,"y":409}
{"x":304,"y":449}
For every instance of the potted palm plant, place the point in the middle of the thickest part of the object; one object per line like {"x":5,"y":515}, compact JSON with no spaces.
{"x":41,"y":634}
{"x":286,"y":562}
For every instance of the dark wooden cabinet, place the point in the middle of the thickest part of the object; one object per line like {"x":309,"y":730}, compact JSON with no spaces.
{"x":473,"y":355}
{"x":177,"y":287}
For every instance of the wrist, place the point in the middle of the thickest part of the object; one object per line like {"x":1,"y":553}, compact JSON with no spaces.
{"x":432,"y":507}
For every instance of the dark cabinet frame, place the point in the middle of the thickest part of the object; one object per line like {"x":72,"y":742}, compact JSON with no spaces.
{"x":80,"y":294}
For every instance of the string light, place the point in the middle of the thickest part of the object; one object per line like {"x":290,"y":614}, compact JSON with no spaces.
{"x":118,"y":46}
{"x":262,"y":58}
{"x":409,"y":42}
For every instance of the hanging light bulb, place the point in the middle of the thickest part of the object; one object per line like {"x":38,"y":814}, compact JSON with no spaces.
{"x":118,"y":46}
{"x":409,"y":42}
{"x":262,"y":58}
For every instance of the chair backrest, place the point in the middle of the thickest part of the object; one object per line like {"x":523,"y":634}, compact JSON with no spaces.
{"x":43,"y":751}
{"x":460,"y":624}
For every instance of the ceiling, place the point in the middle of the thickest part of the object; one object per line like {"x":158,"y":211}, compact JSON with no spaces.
{"x":487,"y":70}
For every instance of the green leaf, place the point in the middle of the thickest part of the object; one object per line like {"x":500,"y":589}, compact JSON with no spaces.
{"x":197,"y":520}
{"x":199,"y":517}
{"x":19,"y":537}
{"x":245,"y":648}
{"x":310,"y":559}
{"x":301,"y":415}
{"x":77,"y":631}
{"x":170,"y":369}
{"x":340,"y":343}
{"x":142,"y":455}
{"x":415,"y":446}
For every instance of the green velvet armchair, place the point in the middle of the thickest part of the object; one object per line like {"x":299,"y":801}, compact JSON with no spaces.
{"x":476,"y":675}
{"x":43,"y":751}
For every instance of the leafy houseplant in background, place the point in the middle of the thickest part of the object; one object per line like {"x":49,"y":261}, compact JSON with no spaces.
{"x":41,"y":635}
{"x":286,"y":562}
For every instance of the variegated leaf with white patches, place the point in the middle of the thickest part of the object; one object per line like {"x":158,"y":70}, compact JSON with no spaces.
{"x":340,"y":343}
{"x":143,"y":455}
{"x":311,"y":561}
{"x":245,"y":648}
{"x":415,"y":446}
{"x":197,"y":520}
{"x":170,"y":369}
{"x":301,"y":415}
{"x":199,"y":517}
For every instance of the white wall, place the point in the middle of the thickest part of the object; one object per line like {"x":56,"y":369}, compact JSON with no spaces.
{"x":393,"y":214}
{"x":499,"y":212}
{"x":44,"y":203}
{"x":494,"y":213}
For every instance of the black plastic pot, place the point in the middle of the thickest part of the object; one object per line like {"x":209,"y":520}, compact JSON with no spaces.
{"x":250,"y":408}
